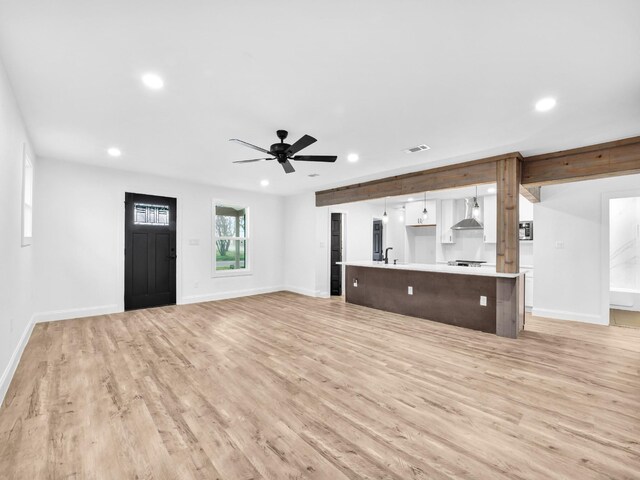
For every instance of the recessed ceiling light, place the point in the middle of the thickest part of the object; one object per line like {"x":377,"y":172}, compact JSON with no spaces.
{"x":545,"y":104}
{"x":491,"y":190}
{"x":114,"y":152}
{"x":264,"y":182}
{"x":353,"y":157}
{"x":153,"y":81}
{"x":410,"y":199}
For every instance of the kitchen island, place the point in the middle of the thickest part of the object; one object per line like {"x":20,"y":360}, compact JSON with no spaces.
{"x":472,"y":297}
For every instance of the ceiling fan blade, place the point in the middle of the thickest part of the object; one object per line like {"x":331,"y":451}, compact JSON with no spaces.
{"x":304,"y":142}
{"x":252,"y":160}
{"x":315,"y":158}
{"x":288,"y":168}
{"x":246,"y":144}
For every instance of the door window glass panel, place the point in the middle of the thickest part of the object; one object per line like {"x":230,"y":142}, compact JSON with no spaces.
{"x":151,"y":214}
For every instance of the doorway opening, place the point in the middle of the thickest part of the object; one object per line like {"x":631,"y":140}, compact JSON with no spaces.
{"x":150,"y":251}
{"x":337,"y":254}
{"x":378,"y":253}
{"x":624,"y":261}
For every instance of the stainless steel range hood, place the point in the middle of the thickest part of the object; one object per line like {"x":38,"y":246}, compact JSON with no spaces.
{"x":468,"y":223}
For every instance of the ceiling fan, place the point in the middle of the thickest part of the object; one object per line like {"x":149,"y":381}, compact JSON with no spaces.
{"x":283,"y":152}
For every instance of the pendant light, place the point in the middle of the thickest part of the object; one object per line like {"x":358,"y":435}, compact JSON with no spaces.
{"x":385,"y":217}
{"x":475,"y":210}
{"x":425,"y":214}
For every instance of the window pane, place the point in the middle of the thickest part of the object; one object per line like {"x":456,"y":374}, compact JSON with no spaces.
{"x":231,"y":254}
{"x":230,"y":221}
{"x":150,"y":214}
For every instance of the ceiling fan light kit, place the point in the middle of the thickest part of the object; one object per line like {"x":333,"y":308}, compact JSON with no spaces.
{"x":283,"y":152}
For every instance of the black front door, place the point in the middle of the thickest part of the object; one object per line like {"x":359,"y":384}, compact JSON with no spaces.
{"x":150,"y":251}
{"x":377,"y":241}
{"x":336,"y":253}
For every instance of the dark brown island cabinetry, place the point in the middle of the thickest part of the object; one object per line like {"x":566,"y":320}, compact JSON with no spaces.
{"x":442,"y":296}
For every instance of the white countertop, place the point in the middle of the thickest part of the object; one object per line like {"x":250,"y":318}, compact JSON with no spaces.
{"x":427,"y":267}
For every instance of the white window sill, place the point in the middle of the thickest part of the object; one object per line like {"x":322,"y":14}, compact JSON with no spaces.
{"x":231,"y":273}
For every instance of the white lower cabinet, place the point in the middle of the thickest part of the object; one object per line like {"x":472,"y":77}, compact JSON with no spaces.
{"x":528,"y":289}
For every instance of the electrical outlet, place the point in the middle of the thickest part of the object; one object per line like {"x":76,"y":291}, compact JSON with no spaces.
{"x":483,"y":300}
{"x":355,"y":282}
{"x":410,"y":290}
{"x":559,"y":244}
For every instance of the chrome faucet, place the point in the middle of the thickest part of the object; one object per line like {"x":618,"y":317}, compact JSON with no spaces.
{"x":386,"y":255}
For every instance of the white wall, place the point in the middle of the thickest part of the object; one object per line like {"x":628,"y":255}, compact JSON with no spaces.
{"x":307,"y":232}
{"x":16,"y":262}
{"x":301,"y":244}
{"x":80,"y":230}
{"x":571,"y":253}
{"x":421,"y":243}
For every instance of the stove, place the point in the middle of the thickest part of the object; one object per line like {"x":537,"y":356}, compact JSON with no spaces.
{"x":466,"y":263}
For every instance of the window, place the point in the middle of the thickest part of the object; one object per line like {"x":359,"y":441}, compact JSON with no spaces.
{"x":151,"y":214}
{"x":27,"y":199}
{"x":231,"y":240}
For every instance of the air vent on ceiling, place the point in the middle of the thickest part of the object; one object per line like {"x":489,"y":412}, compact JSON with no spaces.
{"x":418,"y":148}
{"x":313,"y":175}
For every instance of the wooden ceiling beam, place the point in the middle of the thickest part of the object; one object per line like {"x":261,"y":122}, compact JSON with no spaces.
{"x":477,"y":172}
{"x":621,"y":157}
{"x":531,"y":193}
{"x":610,"y":159}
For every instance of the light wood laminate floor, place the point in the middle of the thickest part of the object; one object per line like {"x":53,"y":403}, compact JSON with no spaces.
{"x":282,"y":386}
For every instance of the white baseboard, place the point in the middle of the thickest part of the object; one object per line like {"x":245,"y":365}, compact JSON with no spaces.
{"x":7,"y":375}
{"x":210,"y":297}
{"x":572,"y":316}
{"x":306,"y":291}
{"x":72,"y":313}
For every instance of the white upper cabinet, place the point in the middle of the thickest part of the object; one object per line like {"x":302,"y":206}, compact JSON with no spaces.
{"x":489,"y":219}
{"x":413,"y":213}
{"x":447,"y":220}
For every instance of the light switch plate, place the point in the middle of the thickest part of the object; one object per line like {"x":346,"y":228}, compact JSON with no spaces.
{"x":559,"y":244}
{"x":194,"y":241}
{"x":483,"y":300}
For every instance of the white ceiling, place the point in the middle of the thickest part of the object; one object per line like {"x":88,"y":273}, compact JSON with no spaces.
{"x":372,"y":77}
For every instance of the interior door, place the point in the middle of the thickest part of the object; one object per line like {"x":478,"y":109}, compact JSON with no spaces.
{"x":150,"y":251}
{"x":336,"y":253}
{"x":378,"y":255}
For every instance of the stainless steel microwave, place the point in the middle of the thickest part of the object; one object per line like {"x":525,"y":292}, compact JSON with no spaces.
{"x":526,"y":230}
